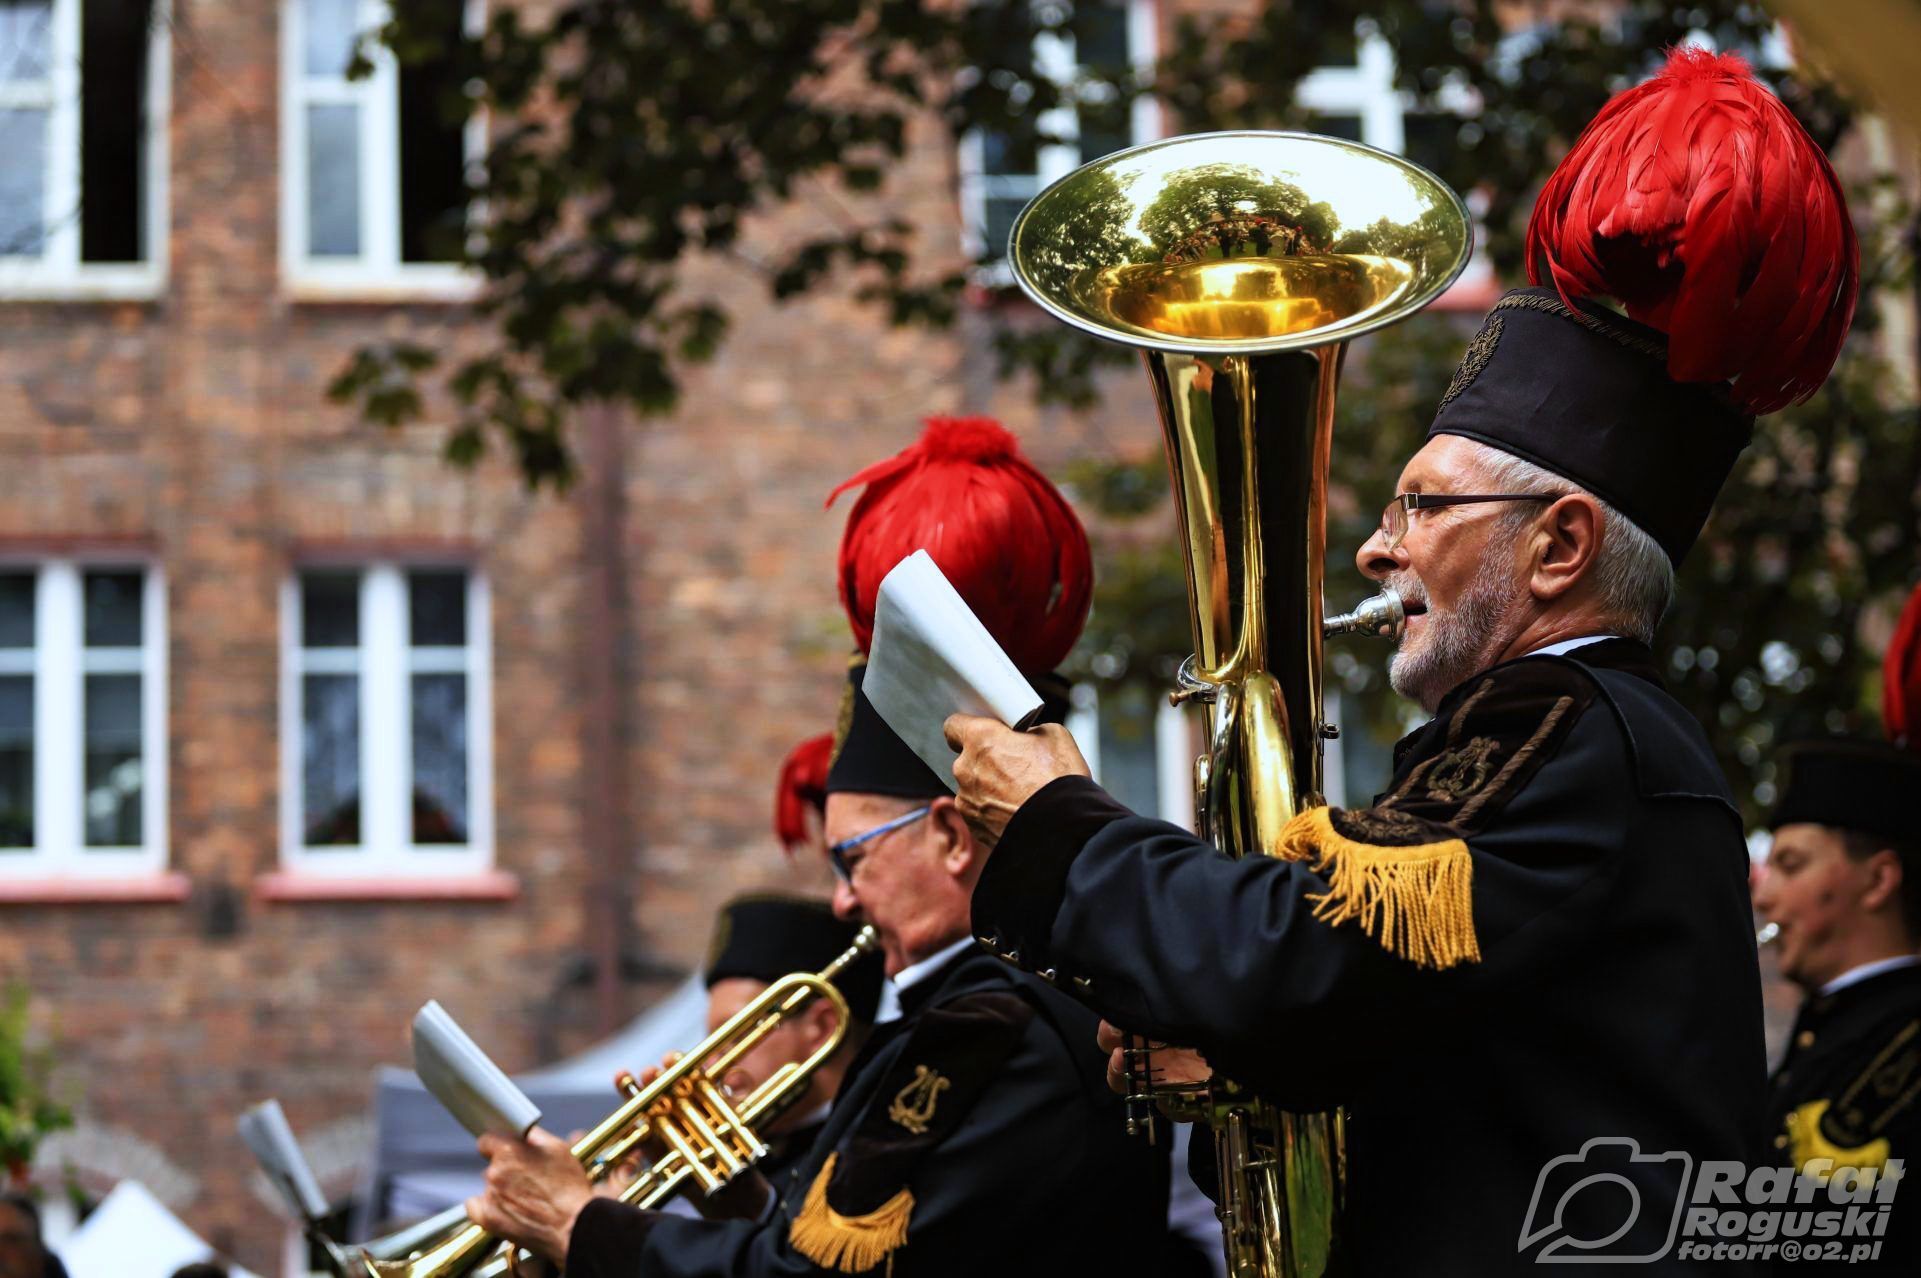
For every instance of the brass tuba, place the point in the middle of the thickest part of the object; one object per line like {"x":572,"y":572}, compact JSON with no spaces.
{"x":709,"y":1136}
{"x":1242,"y":264}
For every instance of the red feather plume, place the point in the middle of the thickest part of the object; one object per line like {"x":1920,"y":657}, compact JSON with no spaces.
{"x":1002,"y":533}
{"x":1699,"y":202}
{"x":802,"y":789}
{"x":1901,"y":678}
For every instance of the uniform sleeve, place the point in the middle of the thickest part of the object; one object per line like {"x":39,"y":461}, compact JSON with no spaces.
{"x":973,"y":1122}
{"x":1366,"y":928}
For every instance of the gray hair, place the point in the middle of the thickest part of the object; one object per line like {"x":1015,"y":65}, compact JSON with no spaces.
{"x":1633,"y":575}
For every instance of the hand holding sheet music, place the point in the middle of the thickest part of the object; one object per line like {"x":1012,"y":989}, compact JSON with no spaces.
{"x":931,"y":658}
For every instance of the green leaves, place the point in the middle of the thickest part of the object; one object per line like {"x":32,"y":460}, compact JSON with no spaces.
{"x":28,"y":1112}
{"x":629,"y":139}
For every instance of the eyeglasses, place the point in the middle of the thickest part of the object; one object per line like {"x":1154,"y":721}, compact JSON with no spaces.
{"x":1399,"y":512}
{"x":837,"y":852}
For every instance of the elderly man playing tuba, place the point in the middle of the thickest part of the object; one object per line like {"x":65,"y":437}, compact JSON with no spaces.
{"x":1531,"y":959}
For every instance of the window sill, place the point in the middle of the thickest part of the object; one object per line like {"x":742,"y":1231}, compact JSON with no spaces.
{"x":27,"y":286}
{"x":164,"y":888}
{"x":484,"y":885}
{"x":452,"y":288}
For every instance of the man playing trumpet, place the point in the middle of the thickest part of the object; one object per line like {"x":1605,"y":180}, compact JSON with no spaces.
{"x":980,"y":1115}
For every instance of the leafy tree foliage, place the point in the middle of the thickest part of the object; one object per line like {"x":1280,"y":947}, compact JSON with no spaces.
{"x":632,"y":139}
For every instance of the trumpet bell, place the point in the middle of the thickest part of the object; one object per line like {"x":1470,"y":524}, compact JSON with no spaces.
{"x":1240,"y":243}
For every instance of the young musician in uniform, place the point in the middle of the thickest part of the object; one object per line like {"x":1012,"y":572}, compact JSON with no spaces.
{"x":1539,"y":935}
{"x":1843,"y":886}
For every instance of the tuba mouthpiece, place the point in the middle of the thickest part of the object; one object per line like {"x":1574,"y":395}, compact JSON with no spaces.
{"x":1380,"y":616}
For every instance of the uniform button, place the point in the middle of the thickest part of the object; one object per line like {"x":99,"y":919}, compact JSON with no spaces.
{"x":1083,"y":983}
{"x":1047,"y":974}
{"x":1804,"y":1039}
{"x":1781,"y":1141}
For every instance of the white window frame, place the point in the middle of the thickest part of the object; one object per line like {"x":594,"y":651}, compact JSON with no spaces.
{"x":1055,"y":60}
{"x":57,"y":273}
{"x":385,"y":662}
{"x":378,"y":271}
{"x":59,"y":665}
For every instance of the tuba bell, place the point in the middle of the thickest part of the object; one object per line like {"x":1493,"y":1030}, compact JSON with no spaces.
{"x":1241,"y":265}
{"x":709,"y":1136}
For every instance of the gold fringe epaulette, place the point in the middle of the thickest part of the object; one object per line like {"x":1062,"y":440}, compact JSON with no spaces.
{"x":1416,"y":901}
{"x":851,"y":1244}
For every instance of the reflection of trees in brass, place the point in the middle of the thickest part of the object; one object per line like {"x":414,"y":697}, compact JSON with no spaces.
{"x":1436,"y":231}
{"x":1089,"y":222}
{"x":1244,"y":211}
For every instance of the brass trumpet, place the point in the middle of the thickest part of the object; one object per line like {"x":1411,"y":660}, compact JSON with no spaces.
{"x":1241,"y":264}
{"x":710,"y":1137}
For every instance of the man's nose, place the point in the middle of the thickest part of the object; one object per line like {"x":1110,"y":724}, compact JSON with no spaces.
{"x":846,"y":904}
{"x":1376,"y":561}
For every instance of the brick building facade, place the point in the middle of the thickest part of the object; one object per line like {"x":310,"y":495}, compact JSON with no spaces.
{"x":169,"y":463}
{"x":235,"y":609}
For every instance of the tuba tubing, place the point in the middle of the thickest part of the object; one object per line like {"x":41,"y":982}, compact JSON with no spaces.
{"x":1241,"y":265}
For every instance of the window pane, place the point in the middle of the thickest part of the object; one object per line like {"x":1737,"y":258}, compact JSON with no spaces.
{"x":1100,"y":35}
{"x":16,"y":610}
{"x":113,"y":97}
{"x":437,"y":608}
{"x":1106,"y":127}
{"x":26,"y":39}
{"x":440,"y":758}
{"x":330,"y":759}
{"x":433,"y":156}
{"x":1129,"y":762}
{"x":1001,"y":212}
{"x":1335,"y":126}
{"x":113,"y":760}
{"x":23,"y":140}
{"x":333,"y":180}
{"x":1003,"y":153}
{"x":330,"y":610}
{"x":330,"y":29}
{"x":16,"y":761}
{"x":113,"y":609}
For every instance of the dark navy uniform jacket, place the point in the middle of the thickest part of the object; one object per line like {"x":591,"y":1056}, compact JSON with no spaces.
{"x":1849,"y":1090}
{"x":975,"y":1135}
{"x":1609,"y":989}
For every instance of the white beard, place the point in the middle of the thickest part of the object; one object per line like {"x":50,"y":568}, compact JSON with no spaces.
{"x":1454,"y":643}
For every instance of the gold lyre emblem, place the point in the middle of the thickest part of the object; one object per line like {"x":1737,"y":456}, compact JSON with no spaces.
{"x":913,"y":1106}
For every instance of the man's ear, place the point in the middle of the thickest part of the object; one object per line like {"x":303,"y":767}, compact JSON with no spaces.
{"x":958,"y":853}
{"x":1565,"y":545}
{"x":1884,"y":879}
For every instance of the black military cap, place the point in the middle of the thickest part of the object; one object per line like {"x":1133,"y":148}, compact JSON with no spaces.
{"x":1586,"y":394}
{"x":1854,"y":785}
{"x":766,"y":936}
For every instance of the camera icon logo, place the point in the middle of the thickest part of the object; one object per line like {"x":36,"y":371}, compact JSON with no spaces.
{"x":1608,"y":1204}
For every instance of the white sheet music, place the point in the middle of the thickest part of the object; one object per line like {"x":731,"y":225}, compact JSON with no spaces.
{"x":931,"y":657}
{"x":465,"y":1080}
{"x":268,"y":1134}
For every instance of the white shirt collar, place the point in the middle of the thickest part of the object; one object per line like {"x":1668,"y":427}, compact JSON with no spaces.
{"x":912,"y":975}
{"x":1569,"y":645}
{"x":1856,"y":975}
